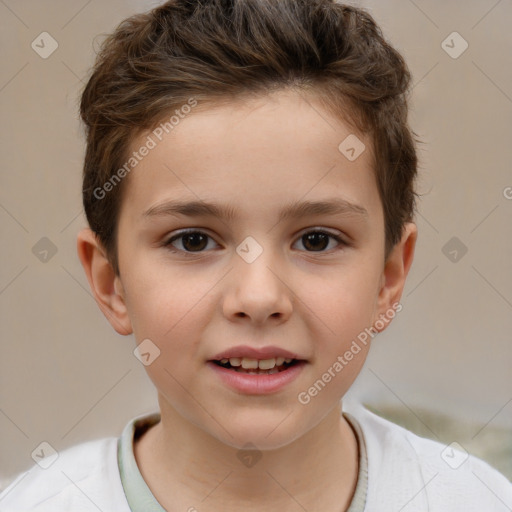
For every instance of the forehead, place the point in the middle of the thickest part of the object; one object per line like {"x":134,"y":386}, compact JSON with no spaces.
{"x":255,"y":152}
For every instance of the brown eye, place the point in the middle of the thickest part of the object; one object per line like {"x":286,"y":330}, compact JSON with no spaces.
{"x":197,"y":241}
{"x":191,"y":241}
{"x":315,"y":241}
{"x":318,"y":241}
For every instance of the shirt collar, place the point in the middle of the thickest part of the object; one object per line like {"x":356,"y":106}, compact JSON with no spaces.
{"x":138,"y":494}
{"x":141,"y":499}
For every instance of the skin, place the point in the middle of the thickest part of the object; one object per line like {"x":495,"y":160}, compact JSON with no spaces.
{"x":255,"y":155}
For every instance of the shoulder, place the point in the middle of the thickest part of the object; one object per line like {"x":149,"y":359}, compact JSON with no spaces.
{"x":83,"y":477}
{"x":407,"y":472}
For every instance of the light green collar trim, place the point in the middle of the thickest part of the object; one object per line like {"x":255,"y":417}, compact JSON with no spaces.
{"x":141,"y":499}
{"x":359,"y":499}
{"x":138,"y":494}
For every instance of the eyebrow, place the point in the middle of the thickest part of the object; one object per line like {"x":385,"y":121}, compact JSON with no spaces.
{"x":297,"y":209}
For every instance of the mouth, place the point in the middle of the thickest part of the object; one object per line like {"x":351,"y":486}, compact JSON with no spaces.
{"x":257,"y":370}
{"x":257,"y":366}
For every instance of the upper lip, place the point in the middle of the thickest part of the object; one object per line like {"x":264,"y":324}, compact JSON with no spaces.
{"x":267,"y":352}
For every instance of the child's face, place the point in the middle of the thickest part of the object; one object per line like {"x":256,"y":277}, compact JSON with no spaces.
{"x":311,"y":297}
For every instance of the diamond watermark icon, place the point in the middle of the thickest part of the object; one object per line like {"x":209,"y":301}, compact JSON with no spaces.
{"x":249,"y":249}
{"x":454,"y":45}
{"x":454,"y":455}
{"x":146,"y":352}
{"x":249,"y":455}
{"x":44,"y":250}
{"x":454,"y":249}
{"x":44,"y":455}
{"x":44,"y":45}
{"x":351,"y":147}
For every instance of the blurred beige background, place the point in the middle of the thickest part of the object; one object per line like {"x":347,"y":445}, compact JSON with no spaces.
{"x":443,"y":367}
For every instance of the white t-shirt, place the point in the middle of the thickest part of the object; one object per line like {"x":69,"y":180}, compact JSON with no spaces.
{"x":405,"y":473}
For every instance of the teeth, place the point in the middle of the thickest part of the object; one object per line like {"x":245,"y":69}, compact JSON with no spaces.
{"x":249,"y":364}
{"x":262,"y":364}
{"x":254,"y":364}
{"x":266,"y":364}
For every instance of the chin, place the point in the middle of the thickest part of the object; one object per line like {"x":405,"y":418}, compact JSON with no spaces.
{"x":262,"y":431}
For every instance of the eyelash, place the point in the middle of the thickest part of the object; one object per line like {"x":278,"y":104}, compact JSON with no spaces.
{"x":181,"y":234}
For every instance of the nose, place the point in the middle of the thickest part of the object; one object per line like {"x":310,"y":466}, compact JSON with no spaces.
{"x":257,"y":291}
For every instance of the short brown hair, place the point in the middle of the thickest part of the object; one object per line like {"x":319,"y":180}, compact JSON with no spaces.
{"x":214,"y":50}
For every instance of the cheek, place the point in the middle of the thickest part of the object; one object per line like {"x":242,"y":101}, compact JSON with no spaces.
{"x":158,"y":300}
{"x":344,"y":305}
{"x":170,"y":313}
{"x":341,"y":320}
{"x":171,"y":309}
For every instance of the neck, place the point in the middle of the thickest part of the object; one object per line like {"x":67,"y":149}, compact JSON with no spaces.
{"x":185,"y":467}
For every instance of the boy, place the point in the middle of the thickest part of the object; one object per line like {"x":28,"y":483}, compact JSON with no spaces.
{"x":274,"y":135}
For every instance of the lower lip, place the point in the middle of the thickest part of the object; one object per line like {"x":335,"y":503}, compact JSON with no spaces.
{"x":257,"y":384}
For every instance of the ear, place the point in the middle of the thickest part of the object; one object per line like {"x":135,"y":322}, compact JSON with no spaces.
{"x":105,"y":285}
{"x":394,"y":275}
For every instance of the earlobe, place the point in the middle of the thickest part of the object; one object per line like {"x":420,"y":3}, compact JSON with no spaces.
{"x":106,"y":287}
{"x":395,"y":273}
